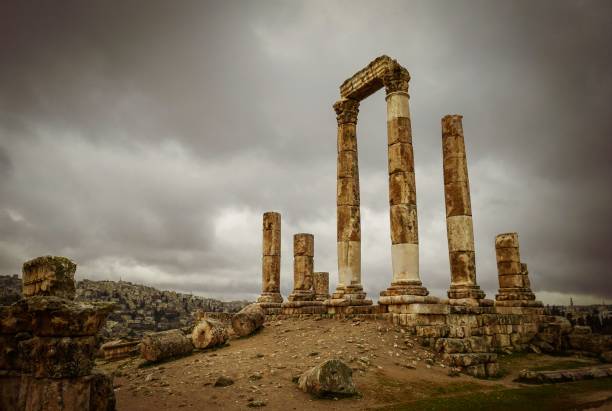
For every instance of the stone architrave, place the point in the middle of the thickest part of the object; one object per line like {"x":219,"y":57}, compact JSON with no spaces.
{"x":321,"y":285}
{"x":459,"y":227}
{"x":271,"y":259}
{"x":514,"y":284}
{"x":303,"y":267}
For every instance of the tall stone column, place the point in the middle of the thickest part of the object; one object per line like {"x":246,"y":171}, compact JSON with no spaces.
{"x":463,"y":288}
{"x":271,"y":259}
{"x":402,"y":188}
{"x":321,"y":285}
{"x":514,"y":284}
{"x":303,"y":267}
{"x":348,"y":213}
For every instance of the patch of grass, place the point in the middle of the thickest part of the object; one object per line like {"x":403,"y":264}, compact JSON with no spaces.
{"x":541,"y":398}
{"x":564,"y":365}
{"x":454,"y":388}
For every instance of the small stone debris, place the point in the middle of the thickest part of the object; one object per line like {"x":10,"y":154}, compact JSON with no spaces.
{"x":256,"y":404}
{"x":223,"y":381}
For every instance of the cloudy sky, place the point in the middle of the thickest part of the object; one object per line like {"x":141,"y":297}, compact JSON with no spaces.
{"x":144,"y":139}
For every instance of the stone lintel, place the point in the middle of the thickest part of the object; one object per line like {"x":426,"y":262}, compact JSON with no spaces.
{"x":371,"y":78}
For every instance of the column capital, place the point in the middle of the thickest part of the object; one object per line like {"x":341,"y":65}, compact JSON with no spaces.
{"x":396,"y":79}
{"x":346,"y":111}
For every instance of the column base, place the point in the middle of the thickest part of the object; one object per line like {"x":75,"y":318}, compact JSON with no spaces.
{"x":269,"y":297}
{"x":303,"y":307}
{"x":301,"y":295}
{"x":348,"y":295}
{"x":405,"y":288}
{"x":516,"y":297}
{"x":321,"y":297}
{"x":466,"y":295}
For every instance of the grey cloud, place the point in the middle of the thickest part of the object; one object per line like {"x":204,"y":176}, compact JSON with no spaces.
{"x":145,"y":139}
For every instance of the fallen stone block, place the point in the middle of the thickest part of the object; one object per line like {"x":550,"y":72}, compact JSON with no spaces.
{"x":332,"y":378}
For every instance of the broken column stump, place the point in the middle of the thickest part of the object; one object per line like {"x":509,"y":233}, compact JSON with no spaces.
{"x":209,"y":333}
{"x":270,"y":298}
{"x":165,"y":344}
{"x":248,"y":320}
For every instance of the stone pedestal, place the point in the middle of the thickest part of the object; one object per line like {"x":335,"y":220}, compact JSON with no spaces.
{"x":514,"y":284}
{"x":321,"y":285}
{"x":463,"y":288}
{"x":271,"y":260}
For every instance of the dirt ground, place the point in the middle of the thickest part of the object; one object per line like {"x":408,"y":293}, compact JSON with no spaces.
{"x":391,"y":371}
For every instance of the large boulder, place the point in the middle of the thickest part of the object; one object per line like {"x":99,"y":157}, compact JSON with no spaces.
{"x":332,"y":378}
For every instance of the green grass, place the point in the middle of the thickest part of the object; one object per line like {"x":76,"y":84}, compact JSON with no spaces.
{"x":541,"y":398}
{"x":564,"y":365}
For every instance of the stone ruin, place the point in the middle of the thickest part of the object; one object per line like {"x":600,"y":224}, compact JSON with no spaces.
{"x":48,"y":340}
{"x":48,"y":343}
{"x":466,"y":330}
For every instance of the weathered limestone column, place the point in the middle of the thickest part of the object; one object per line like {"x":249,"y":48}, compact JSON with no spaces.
{"x":348,"y":213}
{"x":402,"y":188}
{"x":303,"y":267}
{"x":271,"y":259}
{"x":321,"y":285}
{"x":514,"y":284}
{"x":463,"y":288}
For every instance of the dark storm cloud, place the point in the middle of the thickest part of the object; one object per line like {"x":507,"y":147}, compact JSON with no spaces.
{"x":145,"y":139}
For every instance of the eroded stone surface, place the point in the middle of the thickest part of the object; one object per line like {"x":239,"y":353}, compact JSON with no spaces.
{"x":49,"y":275}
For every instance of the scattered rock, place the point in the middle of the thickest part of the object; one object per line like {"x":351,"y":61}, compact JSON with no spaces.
{"x":223,"y":381}
{"x":454,"y":372}
{"x":331,"y":378}
{"x":256,"y":404}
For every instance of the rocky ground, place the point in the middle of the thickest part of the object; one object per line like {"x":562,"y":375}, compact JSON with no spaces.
{"x":391,"y":371}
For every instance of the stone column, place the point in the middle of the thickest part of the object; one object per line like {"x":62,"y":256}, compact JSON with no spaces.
{"x":514,"y":285}
{"x":348,"y":213}
{"x":303,"y":267}
{"x":321,"y":285}
{"x":271,"y":259}
{"x":402,"y":188}
{"x":463,"y":288}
